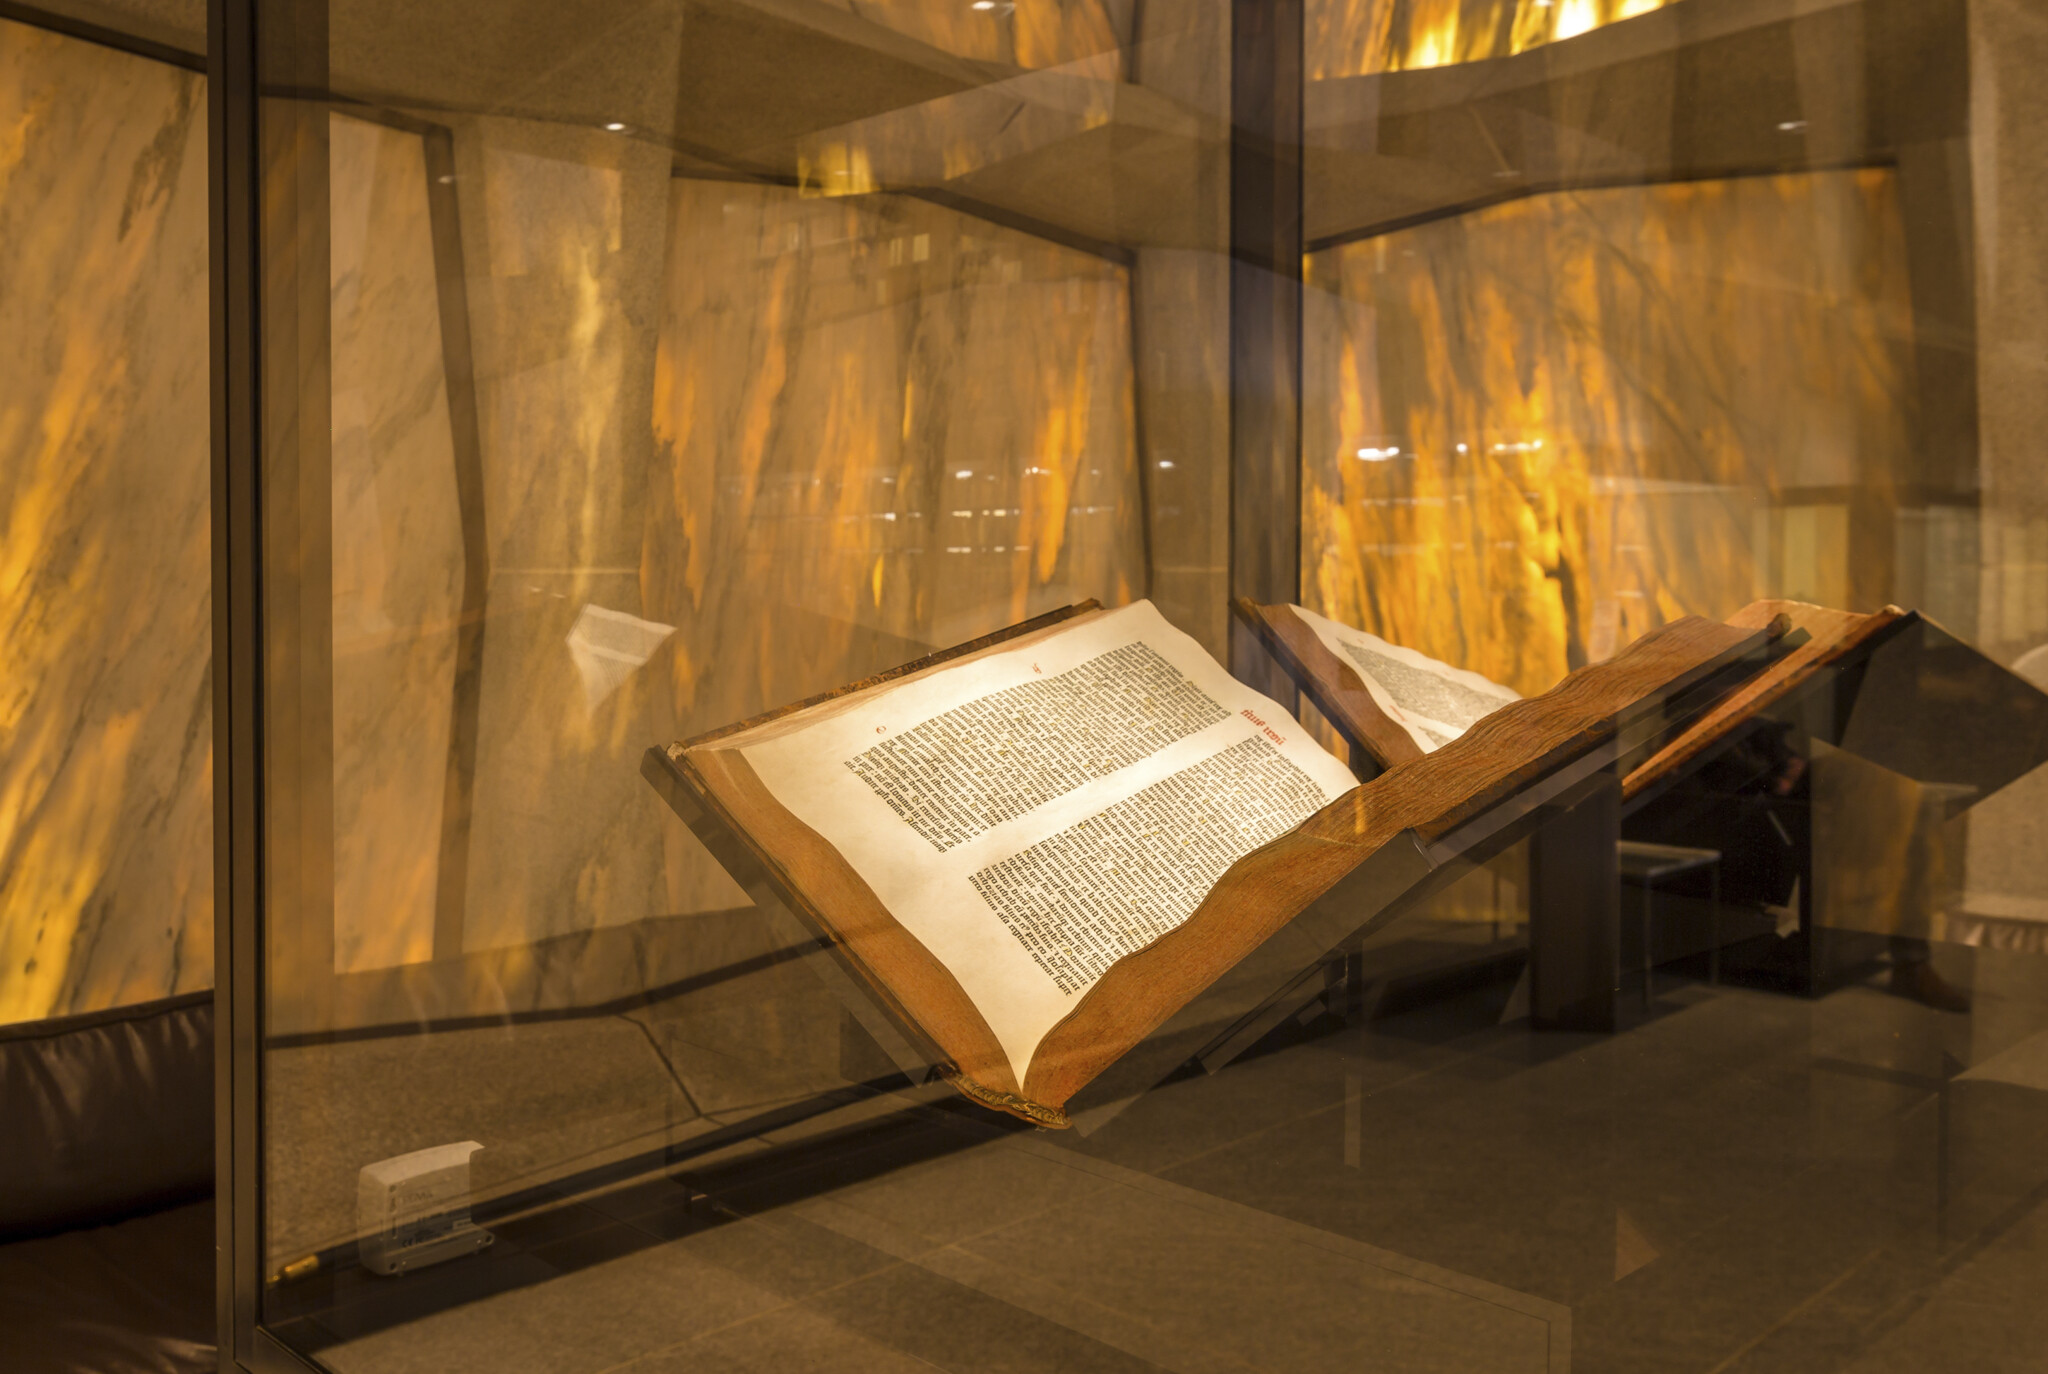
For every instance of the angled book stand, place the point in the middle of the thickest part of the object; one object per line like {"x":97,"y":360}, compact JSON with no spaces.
{"x":1267,"y":929}
{"x":1890,"y":687}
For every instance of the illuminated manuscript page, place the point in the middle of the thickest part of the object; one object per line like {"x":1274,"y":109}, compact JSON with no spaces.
{"x":1033,"y":816}
{"x":1434,"y":702}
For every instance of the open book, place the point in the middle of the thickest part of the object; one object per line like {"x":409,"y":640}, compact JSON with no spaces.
{"x":994,"y":832}
{"x":1387,"y":700}
{"x":1038,"y":849}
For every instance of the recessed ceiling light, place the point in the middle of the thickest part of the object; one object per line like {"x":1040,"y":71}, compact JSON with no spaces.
{"x":616,"y":127}
{"x":1791,"y":126}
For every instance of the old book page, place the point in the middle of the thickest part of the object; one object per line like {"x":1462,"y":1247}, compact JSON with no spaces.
{"x":1033,"y":816}
{"x":1434,"y":702}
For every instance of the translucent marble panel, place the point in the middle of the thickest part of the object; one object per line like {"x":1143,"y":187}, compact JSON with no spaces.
{"x":1536,"y":431}
{"x":903,"y":424}
{"x":1358,"y":37}
{"x":562,"y":231}
{"x":106,"y":851}
{"x":398,"y":550}
{"x":878,"y":426}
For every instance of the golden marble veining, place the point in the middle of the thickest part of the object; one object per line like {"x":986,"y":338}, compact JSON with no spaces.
{"x":1360,"y":37}
{"x":877,"y":426}
{"x":398,"y":552}
{"x":1536,"y":431}
{"x":881,"y":425}
{"x":562,"y":232}
{"x":106,"y":855}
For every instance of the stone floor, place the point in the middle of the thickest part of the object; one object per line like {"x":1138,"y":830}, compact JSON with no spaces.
{"x":1748,"y":1182}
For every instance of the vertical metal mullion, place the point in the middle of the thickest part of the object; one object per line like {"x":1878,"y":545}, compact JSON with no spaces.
{"x":272,"y":638}
{"x":1266,"y":87}
{"x":233,"y":196}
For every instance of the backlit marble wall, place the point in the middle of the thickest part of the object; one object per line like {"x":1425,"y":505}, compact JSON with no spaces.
{"x":398,"y":549}
{"x":563,"y":240}
{"x":1358,"y":37}
{"x":881,"y":426}
{"x":1535,"y":431}
{"x":774,"y":441}
{"x":106,"y":857}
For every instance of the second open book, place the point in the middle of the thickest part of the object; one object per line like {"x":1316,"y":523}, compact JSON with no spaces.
{"x":1394,"y":704}
{"x":1034,"y":850}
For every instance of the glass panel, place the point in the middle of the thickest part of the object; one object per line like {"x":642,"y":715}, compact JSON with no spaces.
{"x":1620,"y":313}
{"x":636,"y":370}
{"x":651,"y":367}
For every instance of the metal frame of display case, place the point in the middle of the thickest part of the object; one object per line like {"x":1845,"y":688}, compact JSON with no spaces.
{"x":1267,"y":81}
{"x":233,"y":198}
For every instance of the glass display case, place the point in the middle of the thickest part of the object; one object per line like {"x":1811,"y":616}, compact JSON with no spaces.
{"x":593,"y":377}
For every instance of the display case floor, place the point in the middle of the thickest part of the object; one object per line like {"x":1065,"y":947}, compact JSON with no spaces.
{"x":1745,"y":1183}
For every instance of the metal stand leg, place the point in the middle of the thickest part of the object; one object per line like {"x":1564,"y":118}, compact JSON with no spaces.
{"x":1575,"y":911}
{"x":1649,"y":923}
{"x":1714,"y":929}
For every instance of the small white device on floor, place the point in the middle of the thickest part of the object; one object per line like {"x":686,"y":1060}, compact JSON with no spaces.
{"x":413,"y":1210}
